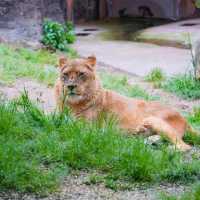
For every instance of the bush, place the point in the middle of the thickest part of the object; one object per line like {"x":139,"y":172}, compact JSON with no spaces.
{"x":58,"y":36}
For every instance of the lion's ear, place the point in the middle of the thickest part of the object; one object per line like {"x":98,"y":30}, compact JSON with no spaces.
{"x":91,"y":60}
{"x":63,"y":62}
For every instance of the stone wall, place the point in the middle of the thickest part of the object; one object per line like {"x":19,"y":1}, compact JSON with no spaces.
{"x":22,"y":19}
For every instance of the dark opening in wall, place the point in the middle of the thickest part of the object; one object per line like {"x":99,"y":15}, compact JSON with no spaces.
{"x":190,"y":24}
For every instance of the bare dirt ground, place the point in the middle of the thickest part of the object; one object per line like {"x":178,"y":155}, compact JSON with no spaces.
{"x":74,"y":186}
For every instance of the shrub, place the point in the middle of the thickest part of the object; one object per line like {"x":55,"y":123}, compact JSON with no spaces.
{"x":58,"y":36}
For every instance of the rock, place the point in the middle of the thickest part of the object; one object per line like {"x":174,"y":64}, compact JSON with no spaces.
{"x":152,"y":140}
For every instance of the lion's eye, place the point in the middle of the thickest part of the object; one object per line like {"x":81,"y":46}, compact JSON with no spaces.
{"x":65,"y":76}
{"x":81,"y":74}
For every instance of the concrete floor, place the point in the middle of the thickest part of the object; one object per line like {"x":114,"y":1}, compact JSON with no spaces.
{"x":138,"y":58}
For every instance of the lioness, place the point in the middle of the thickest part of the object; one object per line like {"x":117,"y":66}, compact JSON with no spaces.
{"x":86,"y":98}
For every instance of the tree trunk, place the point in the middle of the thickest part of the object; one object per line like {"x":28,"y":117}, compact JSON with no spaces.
{"x":70,"y":5}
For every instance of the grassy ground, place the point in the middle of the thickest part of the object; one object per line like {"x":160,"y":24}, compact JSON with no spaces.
{"x":120,"y":84}
{"x":20,"y":62}
{"x":184,"y":86}
{"x":37,"y":150}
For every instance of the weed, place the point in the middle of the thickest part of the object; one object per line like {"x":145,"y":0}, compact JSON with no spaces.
{"x":156,"y":76}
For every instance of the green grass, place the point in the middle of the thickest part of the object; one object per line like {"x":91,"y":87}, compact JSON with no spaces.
{"x":184,"y":86}
{"x":20,"y":62}
{"x":38,"y":150}
{"x":194,"y":119}
{"x":121,"y":85}
{"x":156,"y":76}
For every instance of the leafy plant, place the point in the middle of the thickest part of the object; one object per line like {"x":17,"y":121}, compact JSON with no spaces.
{"x":58,"y":36}
{"x":70,"y":35}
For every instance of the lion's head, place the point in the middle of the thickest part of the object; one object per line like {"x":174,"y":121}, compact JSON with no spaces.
{"x":78,"y":77}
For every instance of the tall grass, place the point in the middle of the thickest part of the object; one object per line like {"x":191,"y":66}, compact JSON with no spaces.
{"x":38,"y":150}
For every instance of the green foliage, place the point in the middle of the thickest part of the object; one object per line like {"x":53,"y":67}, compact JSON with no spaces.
{"x":184,"y":86}
{"x":70,"y":35}
{"x":156,"y":76}
{"x":37,"y":150}
{"x":58,"y":36}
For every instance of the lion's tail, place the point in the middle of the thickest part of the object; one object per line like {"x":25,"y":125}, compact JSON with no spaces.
{"x":192,"y":131}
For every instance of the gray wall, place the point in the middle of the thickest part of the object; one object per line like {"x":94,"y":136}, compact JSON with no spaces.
{"x":23,"y":18}
{"x":160,"y":8}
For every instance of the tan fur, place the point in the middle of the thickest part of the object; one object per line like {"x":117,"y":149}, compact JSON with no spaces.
{"x":89,"y":99}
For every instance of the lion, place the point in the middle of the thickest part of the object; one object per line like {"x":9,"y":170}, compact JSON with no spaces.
{"x":79,"y":83}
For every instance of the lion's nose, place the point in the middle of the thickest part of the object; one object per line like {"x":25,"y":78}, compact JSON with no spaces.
{"x":71,"y":87}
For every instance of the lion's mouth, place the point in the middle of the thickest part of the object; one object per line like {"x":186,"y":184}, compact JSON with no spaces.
{"x":73,"y":94}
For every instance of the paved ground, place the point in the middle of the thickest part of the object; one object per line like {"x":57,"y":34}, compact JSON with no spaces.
{"x":139,"y":58}
{"x":179,"y":33}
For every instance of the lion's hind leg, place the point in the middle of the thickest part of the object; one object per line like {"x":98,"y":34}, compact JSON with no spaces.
{"x":161,"y":127}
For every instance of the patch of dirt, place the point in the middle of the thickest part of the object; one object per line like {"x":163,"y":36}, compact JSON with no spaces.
{"x":74,"y":188}
{"x":37,"y":92}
